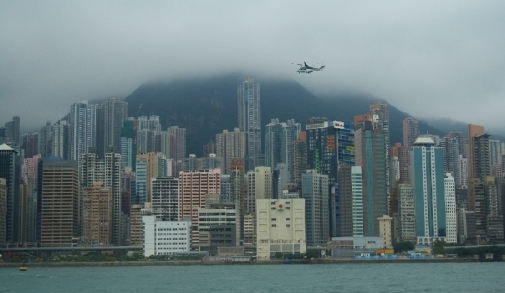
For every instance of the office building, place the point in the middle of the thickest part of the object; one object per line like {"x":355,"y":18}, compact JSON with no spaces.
{"x":371,"y":154}
{"x":473,"y":131}
{"x":10,"y":171}
{"x":58,"y":202}
{"x":427,"y":173}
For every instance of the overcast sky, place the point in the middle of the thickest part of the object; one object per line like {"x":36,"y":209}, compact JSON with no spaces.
{"x":427,"y":58}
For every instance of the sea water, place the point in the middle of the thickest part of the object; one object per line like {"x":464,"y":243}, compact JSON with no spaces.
{"x":359,"y":277}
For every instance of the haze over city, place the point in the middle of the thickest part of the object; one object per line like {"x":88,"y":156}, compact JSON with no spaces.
{"x":428,"y":58}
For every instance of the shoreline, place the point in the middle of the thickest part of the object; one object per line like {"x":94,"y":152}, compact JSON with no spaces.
{"x":198,"y":262}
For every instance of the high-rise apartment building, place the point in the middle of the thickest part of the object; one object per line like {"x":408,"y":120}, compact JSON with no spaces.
{"x":110,"y":116}
{"x":230,"y":145}
{"x":58,"y":202}
{"x":259,"y":186}
{"x":165,"y":198}
{"x":177,"y":143}
{"x":82,"y":132}
{"x":96,"y":213}
{"x":249,"y":119}
{"x":193,"y":187}
{"x":400,"y":155}
{"x":410,"y":131}
{"x":406,"y":212}
{"x":317,"y":210}
{"x":450,"y":209}
{"x":427,"y":177}
{"x":107,"y":171}
{"x":451,"y":158}
{"x":279,"y":139}
{"x":60,"y":143}
{"x":473,"y":131}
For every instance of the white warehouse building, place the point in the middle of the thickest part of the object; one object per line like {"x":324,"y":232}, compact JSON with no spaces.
{"x":165,"y":237}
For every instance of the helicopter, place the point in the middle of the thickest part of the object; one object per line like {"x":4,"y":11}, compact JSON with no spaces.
{"x":304,"y":68}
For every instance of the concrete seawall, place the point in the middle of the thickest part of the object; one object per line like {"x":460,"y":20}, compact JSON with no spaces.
{"x":198,"y":262}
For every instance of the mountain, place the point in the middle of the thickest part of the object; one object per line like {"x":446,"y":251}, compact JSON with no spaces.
{"x":207,"y":106}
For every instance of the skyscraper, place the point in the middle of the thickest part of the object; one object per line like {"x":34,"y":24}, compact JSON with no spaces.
{"x":10,"y":171}
{"x":249,"y":119}
{"x":59,"y":202}
{"x":97,"y":214}
{"x":259,"y":186}
{"x":165,"y":197}
{"x":427,"y":177}
{"x":82,"y":120}
{"x":371,"y":155}
{"x":450,"y":209}
{"x":330,"y":145}
{"x":3,"y":212}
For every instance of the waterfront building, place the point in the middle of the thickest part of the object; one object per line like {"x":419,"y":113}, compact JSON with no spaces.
{"x":165,"y":237}
{"x":280,"y":227}
{"x":249,"y":119}
{"x":385,"y":230}
{"x":218,"y":226}
{"x":351,"y":246}
{"x":427,"y":173}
